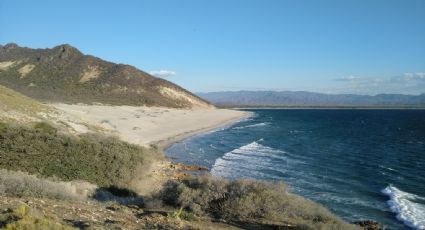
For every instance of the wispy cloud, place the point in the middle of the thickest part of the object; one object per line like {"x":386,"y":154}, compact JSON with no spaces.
{"x":162,"y":73}
{"x":347,"y":78}
{"x":407,"y":83}
{"x":409,"y":77}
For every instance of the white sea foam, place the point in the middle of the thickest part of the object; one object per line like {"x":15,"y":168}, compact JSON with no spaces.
{"x":253,"y":125}
{"x":403,"y":204}
{"x":349,"y":201}
{"x":387,"y":168}
{"x":249,"y":160}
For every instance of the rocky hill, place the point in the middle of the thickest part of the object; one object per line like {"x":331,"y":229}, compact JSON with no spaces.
{"x":64,"y":74}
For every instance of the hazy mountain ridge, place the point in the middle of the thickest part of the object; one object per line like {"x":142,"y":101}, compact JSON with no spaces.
{"x":64,"y":74}
{"x":310,"y":99}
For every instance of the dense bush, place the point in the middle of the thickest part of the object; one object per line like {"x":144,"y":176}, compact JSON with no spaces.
{"x":42,"y":150}
{"x":248,"y":201}
{"x":22,"y":184}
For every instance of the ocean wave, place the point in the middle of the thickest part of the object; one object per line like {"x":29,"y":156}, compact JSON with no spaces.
{"x":234,"y":169}
{"x":402,"y":203}
{"x":253,"y":125}
{"x":256,"y":150}
{"x":387,"y":168}
{"x":251,"y":160}
{"x":349,"y":201}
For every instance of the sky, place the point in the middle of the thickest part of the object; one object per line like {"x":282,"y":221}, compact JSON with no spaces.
{"x":331,"y":46}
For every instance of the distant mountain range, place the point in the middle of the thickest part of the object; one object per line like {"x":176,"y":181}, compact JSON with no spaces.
{"x":309,"y":99}
{"x":64,"y":74}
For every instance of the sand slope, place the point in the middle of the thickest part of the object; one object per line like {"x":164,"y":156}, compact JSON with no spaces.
{"x":152,"y":125}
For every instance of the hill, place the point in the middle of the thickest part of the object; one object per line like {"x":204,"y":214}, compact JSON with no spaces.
{"x":64,"y":74}
{"x":309,"y":99}
{"x":15,"y":106}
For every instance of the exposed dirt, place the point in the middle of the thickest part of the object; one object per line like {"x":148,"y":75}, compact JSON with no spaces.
{"x":96,"y":215}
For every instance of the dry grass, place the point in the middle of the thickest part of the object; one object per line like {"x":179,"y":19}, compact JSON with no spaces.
{"x":15,"y":106}
{"x":21,"y":184}
{"x":12,"y":100}
{"x":24,"y":218}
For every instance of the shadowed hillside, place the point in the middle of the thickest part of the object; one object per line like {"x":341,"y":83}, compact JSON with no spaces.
{"x":64,"y":74}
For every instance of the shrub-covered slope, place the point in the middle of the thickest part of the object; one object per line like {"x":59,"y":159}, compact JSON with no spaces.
{"x":64,"y":74}
{"x":248,"y":203}
{"x":40,"y":149}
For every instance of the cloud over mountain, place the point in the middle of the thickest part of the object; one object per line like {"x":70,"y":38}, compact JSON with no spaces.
{"x":162,"y":73}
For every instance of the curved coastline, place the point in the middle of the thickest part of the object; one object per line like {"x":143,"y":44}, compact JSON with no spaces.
{"x":166,"y":143}
{"x":222,"y":142}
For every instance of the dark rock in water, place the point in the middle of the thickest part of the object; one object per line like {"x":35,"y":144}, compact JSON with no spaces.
{"x":369,"y":225}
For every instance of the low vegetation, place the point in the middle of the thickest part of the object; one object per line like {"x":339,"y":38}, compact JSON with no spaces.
{"x":20,"y":184}
{"x":40,"y":149}
{"x":25,"y":218}
{"x":15,"y":106}
{"x":12,"y":100}
{"x":59,"y":163}
{"x":248,"y":202}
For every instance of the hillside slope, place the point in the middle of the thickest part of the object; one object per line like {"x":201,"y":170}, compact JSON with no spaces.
{"x":15,"y":106}
{"x":64,"y":74}
{"x":310,"y":99}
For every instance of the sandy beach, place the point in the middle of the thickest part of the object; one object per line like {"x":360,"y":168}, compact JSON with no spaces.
{"x":152,"y":125}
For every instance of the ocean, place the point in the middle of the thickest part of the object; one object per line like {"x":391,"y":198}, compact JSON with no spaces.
{"x":359,"y":163}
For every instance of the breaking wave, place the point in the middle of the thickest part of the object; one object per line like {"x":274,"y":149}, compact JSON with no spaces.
{"x":402,"y":203}
{"x":251,"y":160}
{"x":253,"y":125}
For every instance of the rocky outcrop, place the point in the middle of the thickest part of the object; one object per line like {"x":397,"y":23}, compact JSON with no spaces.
{"x":369,"y":225}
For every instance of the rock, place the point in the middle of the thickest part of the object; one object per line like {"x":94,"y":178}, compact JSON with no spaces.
{"x":369,"y":225}
{"x":7,"y":210}
{"x":114,"y":207}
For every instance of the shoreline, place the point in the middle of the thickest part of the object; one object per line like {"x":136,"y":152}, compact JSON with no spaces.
{"x":167,"y":143}
{"x":331,"y":108}
{"x":147,"y":126}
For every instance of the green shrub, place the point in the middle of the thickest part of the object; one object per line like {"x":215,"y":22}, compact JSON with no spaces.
{"x":248,"y":201}
{"x":45,"y":127}
{"x":100,"y":160}
{"x":3,"y":125}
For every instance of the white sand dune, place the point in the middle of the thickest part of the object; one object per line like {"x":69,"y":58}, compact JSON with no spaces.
{"x":152,"y":125}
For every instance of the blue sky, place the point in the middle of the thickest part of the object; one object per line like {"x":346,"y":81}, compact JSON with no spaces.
{"x":350,"y":46}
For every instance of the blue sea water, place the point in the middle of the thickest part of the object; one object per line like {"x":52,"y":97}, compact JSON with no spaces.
{"x":359,"y":163}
